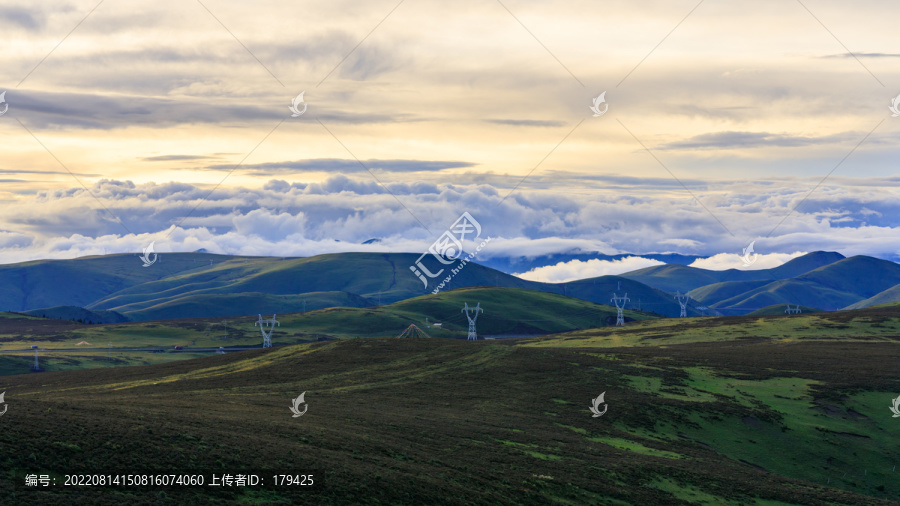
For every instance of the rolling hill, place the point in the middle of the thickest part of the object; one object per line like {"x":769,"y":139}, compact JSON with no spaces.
{"x":890,"y":295}
{"x":445,"y":422}
{"x":184,"y":285}
{"x":673,"y":277}
{"x":830,"y":287}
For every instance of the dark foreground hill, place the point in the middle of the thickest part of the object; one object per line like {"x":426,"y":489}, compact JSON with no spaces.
{"x":435,"y":421}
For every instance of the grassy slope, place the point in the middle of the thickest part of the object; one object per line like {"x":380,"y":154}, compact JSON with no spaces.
{"x":506,"y":311}
{"x":862,"y":325}
{"x":890,"y":295}
{"x":432,"y":421}
{"x":184,"y":284}
{"x":78,"y":282}
{"x":674,"y":277}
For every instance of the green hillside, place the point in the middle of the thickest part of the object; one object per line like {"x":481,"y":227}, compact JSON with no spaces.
{"x":726,"y":290}
{"x":438,"y":421}
{"x":642,"y":297}
{"x":833,"y":286}
{"x":81,"y":281}
{"x":672,"y":277}
{"x":888,"y":296}
{"x":861,"y":276}
{"x":376,"y":277}
{"x":872,"y":324}
{"x":507,"y":312}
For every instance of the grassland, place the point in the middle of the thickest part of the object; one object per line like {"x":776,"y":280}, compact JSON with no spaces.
{"x":434,"y":421}
{"x":768,"y":410}
{"x":507,"y":311}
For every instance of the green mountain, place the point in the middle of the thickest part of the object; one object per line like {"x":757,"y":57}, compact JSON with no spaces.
{"x":184,"y":285}
{"x":642,"y":297}
{"x":672,"y":277}
{"x":890,"y":295}
{"x":82,"y":281}
{"x":836,"y":285}
{"x":725,"y":290}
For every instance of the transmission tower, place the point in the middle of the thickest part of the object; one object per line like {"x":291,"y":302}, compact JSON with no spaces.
{"x":267,"y":336}
{"x":475,"y":310}
{"x":37,"y":366}
{"x":792,"y":310}
{"x":682,"y":301}
{"x":620,"y":319}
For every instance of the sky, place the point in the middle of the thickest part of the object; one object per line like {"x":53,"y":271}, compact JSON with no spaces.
{"x":724,"y":123}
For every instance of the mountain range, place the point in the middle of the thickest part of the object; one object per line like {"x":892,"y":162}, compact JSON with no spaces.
{"x":112,"y":288}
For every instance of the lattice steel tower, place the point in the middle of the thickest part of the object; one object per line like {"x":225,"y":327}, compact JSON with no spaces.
{"x":475,"y":310}
{"x":267,"y":336}
{"x":682,"y":301}
{"x":620,"y":318}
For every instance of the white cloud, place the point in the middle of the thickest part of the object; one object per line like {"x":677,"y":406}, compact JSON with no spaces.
{"x":578,"y":269}
{"x":725,"y":261}
{"x":291,"y":218}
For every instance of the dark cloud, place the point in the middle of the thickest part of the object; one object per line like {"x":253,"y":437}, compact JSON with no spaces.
{"x":343,"y":166}
{"x":58,"y":110}
{"x":863,"y":55}
{"x":172,"y":158}
{"x":526,"y":122}
{"x":19,"y":171}
{"x":738,"y":140}
{"x":22,"y":17}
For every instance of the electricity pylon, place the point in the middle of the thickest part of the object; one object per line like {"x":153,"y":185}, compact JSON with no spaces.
{"x":682,"y":301}
{"x":267,"y":336}
{"x":475,"y":310}
{"x":620,"y":319}
{"x":794,"y":310}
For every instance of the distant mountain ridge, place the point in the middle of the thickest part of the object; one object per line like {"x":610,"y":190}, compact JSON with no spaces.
{"x":184,"y":285}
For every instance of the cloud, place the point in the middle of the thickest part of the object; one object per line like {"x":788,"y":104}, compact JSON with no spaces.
{"x":526,"y":122}
{"x":22,"y":17}
{"x":172,"y":158}
{"x":578,"y":269}
{"x":282,"y":217}
{"x":725,"y":261}
{"x":728,"y":140}
{"x":54,"y":110}
{"x":343,"y":166}
{"x":863,"y":55}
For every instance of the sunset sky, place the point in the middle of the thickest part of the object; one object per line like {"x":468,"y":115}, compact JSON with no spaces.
{"x":169,"y":121}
